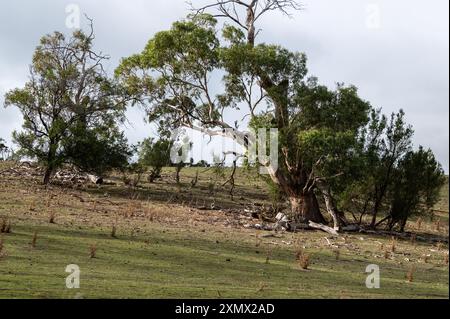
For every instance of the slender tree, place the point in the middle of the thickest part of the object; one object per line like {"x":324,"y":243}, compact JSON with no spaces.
{"x":416,"y":188}
{"x":154,"y":155}
{"x":388,"y":142}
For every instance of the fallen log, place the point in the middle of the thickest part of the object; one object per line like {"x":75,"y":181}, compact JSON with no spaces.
{"x":324,"y":228}
{"x":298,"y":226}
{"x":351,"y":228}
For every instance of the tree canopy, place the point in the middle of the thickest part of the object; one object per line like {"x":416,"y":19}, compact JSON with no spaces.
{"x":68,"y":97}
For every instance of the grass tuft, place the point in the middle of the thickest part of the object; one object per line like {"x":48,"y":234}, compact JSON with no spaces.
{"x":393,"y":245}
{"x":337,"y":254}
{"x":410,"y":274}
{"x":93,"y":251}
{"x":5,"y":226}
{"x":303,"y":259}
{"x":413,"y":239}
{"x":52,"y":217}
{"x":438,"y":225}
{"x":113,"y":231}
{"x":268,"y":255}
{"x":419,"y":223}
{"x":34,"y":240}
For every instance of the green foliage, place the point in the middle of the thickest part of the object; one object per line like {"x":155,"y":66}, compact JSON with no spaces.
{"x":416,"y":186}
{"x":154,"y":155}
{"x":67,"y":86}
{"x":98,"y":149}
{"x":387,"y":176}
{"x":179,"y":61}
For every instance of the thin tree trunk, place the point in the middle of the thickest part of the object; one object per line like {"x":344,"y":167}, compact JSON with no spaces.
{"x":331,"y":210}
{"x":375,"y":214}
{"x":382,"y":221}
{"x":51,"y":155}
{"x":48,"y":175}
{"x":403,"y":225}
{"x":177,"y":174}
{"x":338,"y":217}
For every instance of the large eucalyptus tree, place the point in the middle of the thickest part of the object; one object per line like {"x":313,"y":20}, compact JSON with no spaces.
{"x":173,"y":78}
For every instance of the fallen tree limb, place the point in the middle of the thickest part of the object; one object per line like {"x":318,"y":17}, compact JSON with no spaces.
{"x":324,"y":228}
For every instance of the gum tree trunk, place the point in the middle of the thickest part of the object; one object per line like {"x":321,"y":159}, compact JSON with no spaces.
{"x":306,"y":208}
{"x":304,"y":205}
{"x":51,"y":161}
{"x":338,"y":217}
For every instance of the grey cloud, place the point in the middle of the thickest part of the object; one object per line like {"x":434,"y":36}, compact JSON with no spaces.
{"x":401,"y":64}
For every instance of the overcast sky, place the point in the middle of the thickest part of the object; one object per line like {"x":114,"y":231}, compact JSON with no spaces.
{"x":395,"y":51}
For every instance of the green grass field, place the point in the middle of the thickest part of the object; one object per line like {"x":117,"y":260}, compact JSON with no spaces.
{"x":165,"y":248}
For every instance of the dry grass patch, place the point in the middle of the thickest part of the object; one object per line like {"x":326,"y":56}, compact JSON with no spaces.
{"x":93,"y":251}
{"x":337,"y":254}
{"x":303,"y":259}
{"x":5,"y":226}
{"x":52,"y":217}
{"x":393,"y":245}
{"x":410,"y":274}
{"x":34,"y":239}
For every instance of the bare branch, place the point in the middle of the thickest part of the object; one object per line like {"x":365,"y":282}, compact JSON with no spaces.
{"x":245,"y":14}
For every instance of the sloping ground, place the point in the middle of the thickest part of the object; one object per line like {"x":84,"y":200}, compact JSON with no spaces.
{"x":167,"y":248}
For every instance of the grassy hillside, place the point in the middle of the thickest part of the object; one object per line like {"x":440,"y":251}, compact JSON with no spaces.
{"x":165,"y":247}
